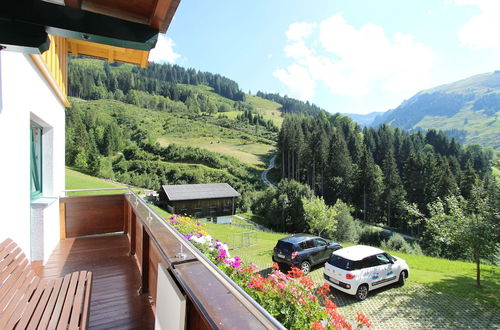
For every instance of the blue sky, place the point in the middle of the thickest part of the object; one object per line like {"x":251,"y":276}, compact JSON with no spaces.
{"x":354,"y":56}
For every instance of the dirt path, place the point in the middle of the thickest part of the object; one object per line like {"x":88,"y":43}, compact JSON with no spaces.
{"x":263,"y":176}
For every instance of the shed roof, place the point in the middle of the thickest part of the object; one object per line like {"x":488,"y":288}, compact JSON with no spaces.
{"x":183,"y":192}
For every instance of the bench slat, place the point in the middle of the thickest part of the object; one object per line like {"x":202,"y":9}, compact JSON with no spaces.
{"x":24,"y":304}
{"x":9,"y":263}
{"x":16,"y":300}
{"x":5,"y":243}
{"x":50,"y":305}
{"x":11,"y":284}
{"x":7,"y":249}
{"x":47,"y":286}
{"x":86,"y":303}
{"x":24,"y":308}
{"x":59,"y":303}
{"x":68,"y":302}
{"x":79,"y":296}
{"x":27,"y":302}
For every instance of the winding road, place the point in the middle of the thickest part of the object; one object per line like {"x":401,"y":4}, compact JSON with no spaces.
{"x":263,"y":176}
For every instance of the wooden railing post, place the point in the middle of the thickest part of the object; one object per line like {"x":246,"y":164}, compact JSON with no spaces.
{"x":145,"y":261}
{"x":126,"y":216}
{"x":133,"y":220}
{"x":62,"y":219}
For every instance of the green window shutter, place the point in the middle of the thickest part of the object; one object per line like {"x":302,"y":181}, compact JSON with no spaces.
{"x":36,"y":161}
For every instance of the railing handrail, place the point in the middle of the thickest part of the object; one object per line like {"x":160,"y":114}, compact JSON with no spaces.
{"x":256,"y":309}
{"x":95,"y":189}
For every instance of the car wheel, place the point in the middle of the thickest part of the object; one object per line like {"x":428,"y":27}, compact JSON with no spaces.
{"x":362,"y":292}
{"x":402,"y":278}
{"x":305,"y":266}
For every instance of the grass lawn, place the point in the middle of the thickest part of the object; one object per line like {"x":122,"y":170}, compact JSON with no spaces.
{"x":77,"y":180}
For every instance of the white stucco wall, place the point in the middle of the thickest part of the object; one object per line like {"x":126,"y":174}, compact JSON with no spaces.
{"x":25,"y":96}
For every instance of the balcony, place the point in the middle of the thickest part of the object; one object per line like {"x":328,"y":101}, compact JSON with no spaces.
{"x":123,"y":242}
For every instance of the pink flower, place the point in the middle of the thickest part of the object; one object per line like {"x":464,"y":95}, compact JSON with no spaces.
{"x":222,"y":254}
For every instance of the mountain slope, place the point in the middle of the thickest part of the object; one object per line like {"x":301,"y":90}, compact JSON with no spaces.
{"x":467,"y":110}
{"x":363,"y":119}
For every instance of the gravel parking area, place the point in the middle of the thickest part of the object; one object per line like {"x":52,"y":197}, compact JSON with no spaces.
{"x":415,"y":306}
{"x":412,"y":306}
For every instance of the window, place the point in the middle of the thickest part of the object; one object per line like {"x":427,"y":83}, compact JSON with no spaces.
{"x":371,"y":261}
{"x":36,"y":161}
{"x":307,"y":244}
{"x":382,"y":259}
{"x":320,"y":242}
{"x":345,"y":264}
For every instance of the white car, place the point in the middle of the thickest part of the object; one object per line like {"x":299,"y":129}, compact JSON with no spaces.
{"x":358,"y":269}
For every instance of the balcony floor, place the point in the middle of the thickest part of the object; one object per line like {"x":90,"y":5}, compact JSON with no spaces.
{"x":115,"y":302}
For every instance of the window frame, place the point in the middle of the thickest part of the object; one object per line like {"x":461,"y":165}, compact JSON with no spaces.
{"x":36,"y":165}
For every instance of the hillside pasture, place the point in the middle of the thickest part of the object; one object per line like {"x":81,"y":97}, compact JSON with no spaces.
{"x":252,"y":153}
{"x":78,"y":180}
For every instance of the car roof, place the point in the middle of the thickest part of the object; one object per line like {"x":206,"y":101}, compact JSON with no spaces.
{"x":357,"y":252}
{"x":297,"y":238}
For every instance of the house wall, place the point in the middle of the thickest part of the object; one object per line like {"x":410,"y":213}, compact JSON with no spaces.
{"x":203,"y":208}
{"x":26,"y":96}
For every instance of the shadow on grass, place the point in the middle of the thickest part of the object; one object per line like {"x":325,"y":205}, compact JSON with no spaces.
{"x":465,"y":287}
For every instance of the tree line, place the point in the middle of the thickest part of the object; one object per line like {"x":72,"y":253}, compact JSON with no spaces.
{"x":291,"y":105}
{"x":386,"y":174}
{"x":89,"y":79}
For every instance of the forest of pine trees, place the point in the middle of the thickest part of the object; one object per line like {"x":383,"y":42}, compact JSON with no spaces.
{"x":91,"y":82}
{"x":290,"y":105}
{"x":383,"y":173}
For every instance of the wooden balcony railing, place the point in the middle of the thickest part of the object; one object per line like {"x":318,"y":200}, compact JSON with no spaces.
{"x":213,"y":300}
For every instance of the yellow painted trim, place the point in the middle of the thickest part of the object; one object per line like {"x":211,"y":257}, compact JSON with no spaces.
{"x":42,"y":67}
{"x":107,"y":52}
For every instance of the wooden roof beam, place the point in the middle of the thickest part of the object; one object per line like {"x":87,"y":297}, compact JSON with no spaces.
{"x":78,"y":24}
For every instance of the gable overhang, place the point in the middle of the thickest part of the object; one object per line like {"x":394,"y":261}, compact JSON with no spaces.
{"x":114,"y":30}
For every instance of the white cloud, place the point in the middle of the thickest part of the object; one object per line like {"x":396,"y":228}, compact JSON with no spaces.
{"x":297,"y":50}
{"x":164,"y":50}
{"x":298,"y":80}
{"x":481,"y":31}
{"x":355,"y":61}
{"x":299,"y":31}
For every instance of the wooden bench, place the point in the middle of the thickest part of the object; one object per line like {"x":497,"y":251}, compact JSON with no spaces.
{"x":29,"y":302}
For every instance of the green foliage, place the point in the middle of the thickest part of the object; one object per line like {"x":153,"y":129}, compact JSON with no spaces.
{"x":113,"y":140}
{"x":397,"y":243}
{"x":377,"y":171}
{"x":348,"y":229}
{"x":284,"y":207}
{"x":290,"y":105}
{"x":372,"y":236}
{"x":320,"y":217}
{"x":471,"y":227}
{"x":93,"y":80}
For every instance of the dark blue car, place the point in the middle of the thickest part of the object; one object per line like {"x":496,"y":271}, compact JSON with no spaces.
{"x":303,"y":251}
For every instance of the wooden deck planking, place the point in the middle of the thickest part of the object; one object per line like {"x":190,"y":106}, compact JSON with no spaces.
{"x":115,"y":302}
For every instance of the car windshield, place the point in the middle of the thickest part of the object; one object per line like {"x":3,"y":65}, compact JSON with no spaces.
{"x":284,"y":247}
{"x":343,"y":263}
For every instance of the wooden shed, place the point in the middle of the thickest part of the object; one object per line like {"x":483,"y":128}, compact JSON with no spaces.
{"x":211,"y":202}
